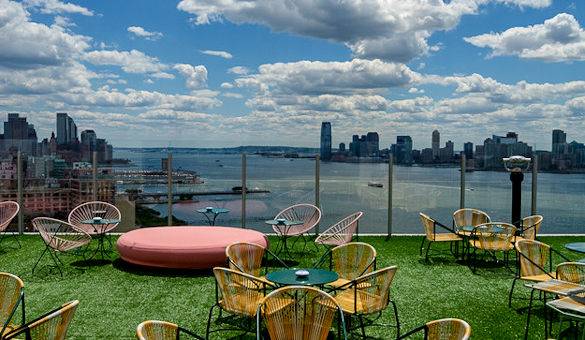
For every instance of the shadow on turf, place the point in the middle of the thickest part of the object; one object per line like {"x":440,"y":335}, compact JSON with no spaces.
{"x":121,"y":265}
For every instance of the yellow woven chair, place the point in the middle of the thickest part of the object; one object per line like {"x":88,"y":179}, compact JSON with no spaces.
{"x":8,"y":211}
{"x":238,"y":294}
{"x":50,"y":326}
{"x":468,"y":217}
{"x":349,"y":261}
{"x":571,"y":272}
{"x":535,"y":263}
{"x":530,"y":227}
{"x":250,"y":258}
{"x":431,"y":235}
{"x":298,"y":312}
{"x":11,"y":296}
{"x":162,"y":330}
{"x":572,"y":308}
{"x":443,"y":329}
{"x":367,"y":295}
{"x":492,"y":238}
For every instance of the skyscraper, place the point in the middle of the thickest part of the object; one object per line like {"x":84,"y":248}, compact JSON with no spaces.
{"x":436,"y":143}
{"x":468,"y":150}
{"x":559,"y":142}
{"x":66,"y":129}
{"x":19,"y":135}
{"x":326,"y":141}
{"x":372,"y":144}
{"x":403,"y":150}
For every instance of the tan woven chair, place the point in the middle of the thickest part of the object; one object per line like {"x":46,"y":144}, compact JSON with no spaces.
{"x":349,"y":261}
{"x":571,"y":308}
{"x":443,"y":329}
{"x":492,"y":238}
{"x":59,"y":237}
{"x":468,"y":217}
{"x":249,"y":258}
{"x":298,"y":312}
{"x":8,"y":211}
{"x":571,"y":272}
{"x":341,"y":232}
{"x":236,"y":293}
{"x":530,"y":227}
{"x":308,"y":213}
{"x":535,"y":263}
{"x":161,"y":330}
{"x":431,"y":235}
{"x":11,"y":296}
{"x":51,"y":326}
{"x":367,"y":295}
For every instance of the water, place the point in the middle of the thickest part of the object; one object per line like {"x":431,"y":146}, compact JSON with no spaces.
{"x":344,"y":189}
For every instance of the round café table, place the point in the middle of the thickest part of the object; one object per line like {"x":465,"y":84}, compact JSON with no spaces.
{"x":211,"y":213}
{"x":578,"y":247}
{"x":316,"y":277}
{"x":99,"y":226}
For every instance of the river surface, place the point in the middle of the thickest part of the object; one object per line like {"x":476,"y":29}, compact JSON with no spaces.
{"x":344,"y":189}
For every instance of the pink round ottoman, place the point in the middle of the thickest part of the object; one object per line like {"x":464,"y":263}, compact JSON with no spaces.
{"x":187,"y":247}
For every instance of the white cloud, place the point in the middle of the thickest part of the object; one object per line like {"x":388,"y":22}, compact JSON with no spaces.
{"x":57,"y":7}
{"x":221,"y":54}
{"x":394,"y":30}
{"x":239,"y":70}
{"x":195,"y":76}
{"x":130,"y":61}
{"x":232,"y":95}
{"x":28,"y":44}
{"x":142,"y":33}
{"x":227,"y":86}
{"x":558,"y":39}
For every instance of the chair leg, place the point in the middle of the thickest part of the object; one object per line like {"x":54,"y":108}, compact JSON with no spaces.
{"x":39,"y":260}
{"x":511,"y":291}
{"x":57,"y":262}
{"x":209,"y":321}
{"x":396,"y":317}
{"x":528,"y":316}
{"x":361,"y":320}
{"x":427,"y":253}
{"x":422,"y":244}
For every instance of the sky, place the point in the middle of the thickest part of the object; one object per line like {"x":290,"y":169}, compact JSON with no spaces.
{"x":208,"y":73}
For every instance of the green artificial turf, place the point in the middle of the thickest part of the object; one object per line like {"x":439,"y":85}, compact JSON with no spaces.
{"x":115,"y":297}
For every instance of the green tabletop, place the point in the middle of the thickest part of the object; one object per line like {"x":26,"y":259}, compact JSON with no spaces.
{"x":101,"y":221}
{"x":578,"y":247}
{"x":316,"y":277}
{"x":284,"y":222}
{"x":213,"y":210}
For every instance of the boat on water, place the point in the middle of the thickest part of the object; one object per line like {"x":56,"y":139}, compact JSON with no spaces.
{"x":375,"y":184}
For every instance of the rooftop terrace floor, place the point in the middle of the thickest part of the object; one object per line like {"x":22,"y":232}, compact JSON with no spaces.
{"x":115,"y":297}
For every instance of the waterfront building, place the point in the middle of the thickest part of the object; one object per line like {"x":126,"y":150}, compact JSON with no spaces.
{"x":446,"y":153}
{"x":341,"y":147}
{"x":559,"y":142}
{"x":427,"y":156}
{"x":402,"y":150}
{"x":468,"y":150}
{"x":326,"y":141}
{"x":66,"y":129}
{"x":372,"y":144}
{"x":436,"y":143}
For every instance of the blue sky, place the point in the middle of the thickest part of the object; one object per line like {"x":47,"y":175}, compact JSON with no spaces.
{"x":201,"y":73}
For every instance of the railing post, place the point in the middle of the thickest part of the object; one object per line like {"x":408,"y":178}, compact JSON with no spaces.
{"x":317,"y":187}
{"x":244,"y":175}
{"x":390,"y":182}
{"x":462,"y":182}
{"x":19,"y":193}
{"x":94,"y":194}
{"x":534,"y":184}
{"x":170,"y":189}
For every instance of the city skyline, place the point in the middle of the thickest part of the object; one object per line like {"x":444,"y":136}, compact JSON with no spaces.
{"x":194,"y":74}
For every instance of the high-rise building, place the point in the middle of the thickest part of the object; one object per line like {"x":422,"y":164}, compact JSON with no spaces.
{"x":19,"y":135}
{"x":66,"y":129}
{"x":89,"y":139}
{"x":468,"y":150}
{"x":559,"y":142}
{"x":402,"y":150}
{"x":436,"y":143}
{"x":373,"y":144}
{"x":326,"y":141}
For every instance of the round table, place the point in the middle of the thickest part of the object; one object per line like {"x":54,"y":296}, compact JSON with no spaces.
{"x":214,"y":212}
{"x":578,"y":247}
{"x":99,"y":227}
{"x":316,"y":277}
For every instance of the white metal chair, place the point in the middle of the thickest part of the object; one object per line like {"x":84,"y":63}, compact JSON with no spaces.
{"x":8,"y":211}
{"x":341,"y":232}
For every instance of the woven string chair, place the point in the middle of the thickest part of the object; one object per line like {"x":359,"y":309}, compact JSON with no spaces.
{"x":491,"y":238}
{"x":469,"y":218}
{"x":530,"y":227}
{"x":431,"y":235}
{"x":51,"y":326}
{"x":88,"y":211}
{"x":298,"y":312}
{"x":349,"y":261}
{"x":237,"y":293}
{"x":11,"y":296}
{"x":366,"y":295}
{"x":249,"y":258}
{"x":341,"y":232}
{"x":8,"y":211}
{"x":571,"y":272}
{"x":571,"y":308}
{"x":161,"y":330}
{"x":308,"y":213}
{"x":443,"y":329}
{"x":59,"y":237}
{"x":535,"y":263}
